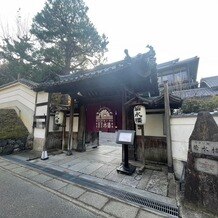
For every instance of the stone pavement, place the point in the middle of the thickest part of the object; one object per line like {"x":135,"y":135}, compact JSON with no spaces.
{"x":101,"y":163}
{"x":101,"y":204}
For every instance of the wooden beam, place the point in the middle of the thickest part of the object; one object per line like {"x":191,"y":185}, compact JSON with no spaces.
{"x":168,"y":131}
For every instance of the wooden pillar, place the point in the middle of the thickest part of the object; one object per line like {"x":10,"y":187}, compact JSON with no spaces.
{"x":143,"y":145}
{"x":123,"y":118}
{"x":63,"y":132}
{"x":168,"y":131}
{"x":82,"y":129}
{"x":47,"y":122}
{"x":69,"y":151}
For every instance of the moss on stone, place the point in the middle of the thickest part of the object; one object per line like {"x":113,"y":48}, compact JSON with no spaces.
{"x":11,"y":126}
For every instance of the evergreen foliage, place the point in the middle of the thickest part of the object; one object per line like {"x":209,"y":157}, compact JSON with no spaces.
{"x":195,"y":105}
{"x":11,"y":126}
{"x":62,"y":39}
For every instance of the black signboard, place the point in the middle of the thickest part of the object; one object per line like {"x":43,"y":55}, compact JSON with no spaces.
{"x":125,"y":137}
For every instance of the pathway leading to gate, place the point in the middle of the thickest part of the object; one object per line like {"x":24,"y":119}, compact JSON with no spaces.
{"x":115,"y":201}
{"x":100,"y":165}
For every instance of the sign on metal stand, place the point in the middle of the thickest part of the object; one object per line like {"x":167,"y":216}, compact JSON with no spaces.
{"x":126,"y":137}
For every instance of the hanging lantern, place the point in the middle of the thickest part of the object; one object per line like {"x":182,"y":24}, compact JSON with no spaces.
{"x":139,"y":115}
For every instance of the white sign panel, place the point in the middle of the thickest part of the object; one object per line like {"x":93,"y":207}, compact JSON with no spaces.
{"x":205,"y":147}
{"x":125,"y":137}
{"x":206,"y":166}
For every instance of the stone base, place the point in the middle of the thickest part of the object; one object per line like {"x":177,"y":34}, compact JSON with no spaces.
{"x":128,"y":171}
{"x":69,"y":153}
{"x":38,"y":144}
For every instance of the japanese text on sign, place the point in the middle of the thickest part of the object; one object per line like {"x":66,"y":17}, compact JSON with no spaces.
{"x":139,"y":115}
{"x":205,"y":147}
{"x":206,"y":166}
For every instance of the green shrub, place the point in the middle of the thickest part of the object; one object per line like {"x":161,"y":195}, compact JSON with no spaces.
{"x":11,"y":126}
{"x":195,"y":105}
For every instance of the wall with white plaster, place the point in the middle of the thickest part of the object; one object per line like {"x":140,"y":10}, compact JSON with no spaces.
{"x":21,"y":98}
{"x":154,"y":125}
{"x":181,"y":130}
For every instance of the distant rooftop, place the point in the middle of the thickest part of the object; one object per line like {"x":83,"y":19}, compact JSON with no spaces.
{"x":211,"y":82}
{"x":176,"y":62}
{"x":26,"y":82}
{"x":195,"y":93}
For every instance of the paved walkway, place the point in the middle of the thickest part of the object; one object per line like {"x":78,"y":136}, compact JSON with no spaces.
{"x":101,"y":163}
{"x":99,"y":203}
{"x":20,"y":198}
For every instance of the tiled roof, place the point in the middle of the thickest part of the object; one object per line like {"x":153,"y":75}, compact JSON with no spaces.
{"x":211,"y":82}
{"x":103,"y":69}
{"x":26,"y":82}
{"x":155,"y":102}
{"x":167,"y":64}
{"x":175,"y":62}
{"x":191,"y":93}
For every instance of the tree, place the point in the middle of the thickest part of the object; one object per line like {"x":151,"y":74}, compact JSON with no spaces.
{"x":18,"y":54}
{"x":195,"y":105}
{"x":62,"y":39}
{"x":67,"y":37}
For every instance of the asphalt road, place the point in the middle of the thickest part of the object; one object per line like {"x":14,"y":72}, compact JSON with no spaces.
{"x":19,"y":198}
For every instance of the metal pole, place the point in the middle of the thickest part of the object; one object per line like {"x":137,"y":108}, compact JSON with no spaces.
{"x":126,"y":159}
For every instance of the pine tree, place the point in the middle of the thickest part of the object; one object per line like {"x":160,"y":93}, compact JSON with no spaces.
{"x":62,"y":39}
{"x":67,"y":37}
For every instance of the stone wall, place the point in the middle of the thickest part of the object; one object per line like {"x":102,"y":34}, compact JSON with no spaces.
{"x":8,"y":146}
{"x":181,"y":129}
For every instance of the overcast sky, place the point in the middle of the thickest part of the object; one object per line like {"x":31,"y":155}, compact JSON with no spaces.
{"x":175,"y":28}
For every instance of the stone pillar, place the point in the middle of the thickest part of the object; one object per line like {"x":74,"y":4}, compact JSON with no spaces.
{"x":41,"y":121}
{"x":201,"y":177}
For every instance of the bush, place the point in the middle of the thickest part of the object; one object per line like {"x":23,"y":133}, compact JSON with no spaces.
{"x":195,"y":105}
{"x":11,"y":126}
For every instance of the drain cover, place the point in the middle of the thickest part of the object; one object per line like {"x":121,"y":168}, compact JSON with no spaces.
{"x":164,"y":208}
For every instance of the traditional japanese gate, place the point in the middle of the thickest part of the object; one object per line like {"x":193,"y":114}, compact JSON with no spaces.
{"x":101,"y":95}
{"x":103,"y":120}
